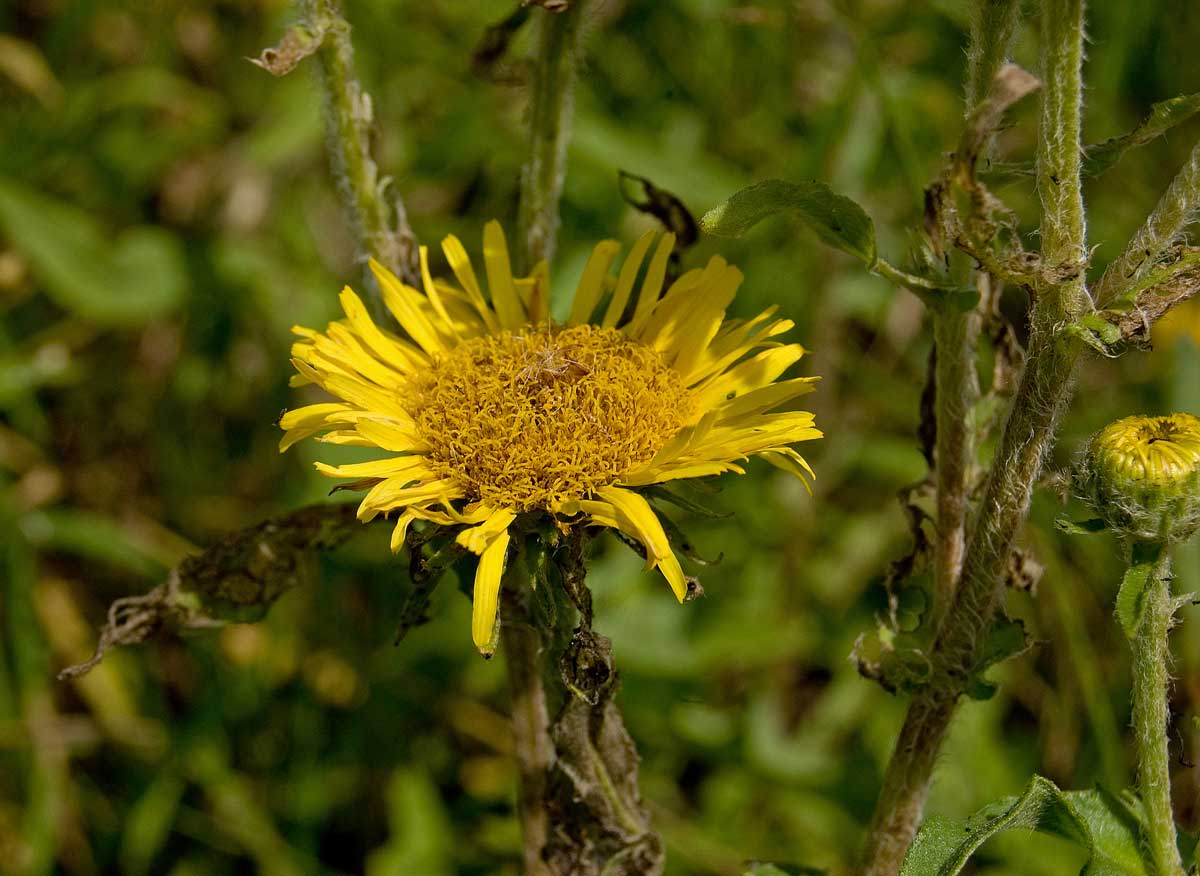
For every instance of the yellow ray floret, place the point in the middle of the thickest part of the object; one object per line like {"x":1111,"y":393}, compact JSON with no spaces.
{"x":493,"y":413}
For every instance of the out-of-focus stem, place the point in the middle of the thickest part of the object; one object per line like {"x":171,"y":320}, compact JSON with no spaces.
{"x":379,"y":222}
{"x":553,"y":100}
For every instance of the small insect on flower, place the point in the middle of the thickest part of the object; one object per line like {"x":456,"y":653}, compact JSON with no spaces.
{"x":491,"y":411}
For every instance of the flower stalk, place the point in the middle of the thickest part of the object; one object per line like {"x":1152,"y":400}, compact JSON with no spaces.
{"x":1151,"y":681}
{"x":379,"y":222}
{"x":559,"y":43}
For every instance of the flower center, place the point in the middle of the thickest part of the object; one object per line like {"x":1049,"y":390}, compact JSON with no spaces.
{"x":531,"y":418}
{"x":1161,"y":449}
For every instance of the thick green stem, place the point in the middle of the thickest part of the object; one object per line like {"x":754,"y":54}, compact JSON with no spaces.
{"x":1175,"y":211}
{"x":348,"y":118}
{"x":1151,"y":720}
{"x":559,"y":38}
{"x":1041,"y":396}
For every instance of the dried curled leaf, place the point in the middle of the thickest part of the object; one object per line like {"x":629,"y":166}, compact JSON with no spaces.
{"x":299,"y":41}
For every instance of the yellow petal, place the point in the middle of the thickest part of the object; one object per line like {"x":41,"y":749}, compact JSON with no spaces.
{"x":535,"y":292}
{"x":509,"y":310}
{"x":414,"y":466}
{"x":652,"y":285}
{"x":629,"y":272}
{"x":404,"y":303}
{"x":477,"y":538}
{"x":669,"y":566}
{"x":637,"y":518}
{"x":401,"y":529}
{"x":379,"y":343}
{"x":486,"y":597}
{"x":591,"y":284}
{"x":460,"y":264}
{"x":432,"y":293}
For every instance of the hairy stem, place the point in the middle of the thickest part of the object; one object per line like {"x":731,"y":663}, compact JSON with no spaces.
{"x":348,"y":119}
{"x":1174,"y":211}
{"x":1040,"y":398}
{"x":559,"y":39}
{"x":522,"y":649}
{"x":993,"y":23}
{"x":1151,"y":720}
{"x":954,"y":336}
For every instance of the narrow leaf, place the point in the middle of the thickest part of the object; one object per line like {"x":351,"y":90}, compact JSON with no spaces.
{"x":1163,"y":116}
{"x":1133,"y":586}
{"x":836,"y":219}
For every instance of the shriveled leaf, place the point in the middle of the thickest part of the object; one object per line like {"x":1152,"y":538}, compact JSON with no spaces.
{"x":1104,"y":826}
{"x":124,"y":282}
{"x":836,"y":219}
{"x":1130,"y":603}
{"x":1163,"y":116}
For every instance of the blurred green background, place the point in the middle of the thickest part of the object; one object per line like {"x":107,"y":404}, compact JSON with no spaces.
{"x":166,"y":216}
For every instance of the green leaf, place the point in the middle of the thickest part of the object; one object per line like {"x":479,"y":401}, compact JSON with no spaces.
{"x":1006,"y":639}
{"x":1080,"y":527}
{"x":1163,"y":116}
{"x":1106,"y":827}
{"x":124,"y":282}
{"x":1133,"y":586}
{"x":836,"y":219}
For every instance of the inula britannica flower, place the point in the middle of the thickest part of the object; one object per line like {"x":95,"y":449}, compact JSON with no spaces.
{"x":490,"y":410}
{"x":1142,"y":475}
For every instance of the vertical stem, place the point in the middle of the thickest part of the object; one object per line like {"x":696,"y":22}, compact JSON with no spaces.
{"x":521,"y":646}
{"x":559,"y":39}
{"x":1033,"y":418}
{"x":1151,"y":721}
{"x":992,"y":25}
{"x":348,"y":119}
{"x":954,"y":337}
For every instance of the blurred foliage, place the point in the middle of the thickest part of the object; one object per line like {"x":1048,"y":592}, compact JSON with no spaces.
{"x":165,"y":217}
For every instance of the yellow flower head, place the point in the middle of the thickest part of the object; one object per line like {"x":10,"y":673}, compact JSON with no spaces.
{"x":491,"y":410}
{"x":1142,"y":474}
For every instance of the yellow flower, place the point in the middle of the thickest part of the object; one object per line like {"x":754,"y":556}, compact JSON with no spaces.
{"x":1142,"y":475}
{"x":492,"y":411}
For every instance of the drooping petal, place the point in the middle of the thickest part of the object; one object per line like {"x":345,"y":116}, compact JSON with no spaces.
{"x":486,"y":595}
{"x":477,"y":538}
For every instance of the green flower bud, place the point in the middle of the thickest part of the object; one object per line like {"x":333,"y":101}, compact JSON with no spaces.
{"x":1142,"y":476}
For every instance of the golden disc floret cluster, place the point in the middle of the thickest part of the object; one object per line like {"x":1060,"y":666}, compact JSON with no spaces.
{"x":533,"y":418}
{"x":1142,"y":475}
